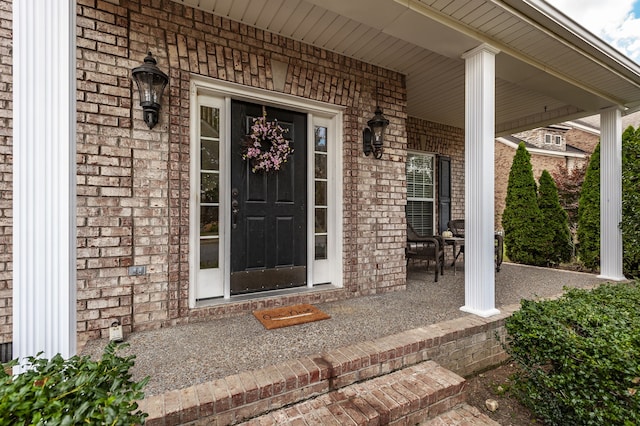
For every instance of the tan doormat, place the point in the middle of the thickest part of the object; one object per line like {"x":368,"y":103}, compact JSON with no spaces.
{"x":289,"y":315}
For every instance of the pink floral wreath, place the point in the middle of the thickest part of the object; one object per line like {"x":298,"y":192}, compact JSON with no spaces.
{"x":266,"y":147}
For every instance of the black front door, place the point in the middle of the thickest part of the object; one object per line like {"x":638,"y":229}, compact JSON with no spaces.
{"x":268,"y":216}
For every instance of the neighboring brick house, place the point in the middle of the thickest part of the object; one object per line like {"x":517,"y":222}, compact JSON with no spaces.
{"x":568,"y":144}
{"x":169,"y":220}
{"x":549,"y":149}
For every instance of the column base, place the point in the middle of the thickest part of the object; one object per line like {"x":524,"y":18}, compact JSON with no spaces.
{"x":613,"y":277}
{"x":484,"y":314}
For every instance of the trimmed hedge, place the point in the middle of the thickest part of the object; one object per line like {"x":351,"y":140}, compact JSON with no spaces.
{"x":580,"y":356}
{"x":73,"y":391}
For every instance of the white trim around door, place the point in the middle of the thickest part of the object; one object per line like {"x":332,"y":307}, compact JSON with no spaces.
{"x":210,"y":198}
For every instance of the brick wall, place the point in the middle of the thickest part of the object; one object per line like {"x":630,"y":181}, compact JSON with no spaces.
{"x":133,"y":183}
{"x":582,"y":140}
{"x":441,"y":140}
{"x":6,"y":180}
{"x":110,"y":148}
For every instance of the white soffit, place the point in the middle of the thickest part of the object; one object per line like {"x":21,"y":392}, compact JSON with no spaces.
{"x":547,"y":70}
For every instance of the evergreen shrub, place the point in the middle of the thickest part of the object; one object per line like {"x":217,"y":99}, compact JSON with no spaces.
{"x":74,"y":391}
{"x":631,"y":202}
{"x":525,"y":236}
{"x":589,"y":214}
{"x":579,"y":356}
{"x":555,"y":219}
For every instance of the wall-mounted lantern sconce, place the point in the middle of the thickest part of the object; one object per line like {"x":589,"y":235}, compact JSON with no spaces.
{"x":373,"y":136}
{"x":151,"y":82}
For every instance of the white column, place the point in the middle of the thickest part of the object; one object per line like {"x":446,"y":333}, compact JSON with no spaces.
{"x":479,"y":272}
{"x":611,"y":194}
{"x":44,"y":120}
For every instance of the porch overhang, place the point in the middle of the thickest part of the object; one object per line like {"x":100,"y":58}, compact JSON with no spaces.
{"x":549,"y":69}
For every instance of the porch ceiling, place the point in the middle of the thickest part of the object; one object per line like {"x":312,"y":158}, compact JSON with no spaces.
{"x":549,"y":69}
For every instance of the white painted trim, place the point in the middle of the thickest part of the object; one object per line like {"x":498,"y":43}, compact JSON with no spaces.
{"x":484,"y":314}
{"x":450,"y":22}
{"x":44,"y":178}
{"x":583,"y":127}
{"x":216,"y":87}
{"x":206,"y":86}
{"x":215,"y":276}
{"x":482,"y":48}
{"x":321,"y":271}
{"x":193,"y":238}
{"x":585,"y":36}
{"x":434,"y":155}
{"x":539,"y":151}
{"x":225,"y":183}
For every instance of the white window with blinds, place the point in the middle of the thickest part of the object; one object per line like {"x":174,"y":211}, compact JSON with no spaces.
{"x":420,"y":192}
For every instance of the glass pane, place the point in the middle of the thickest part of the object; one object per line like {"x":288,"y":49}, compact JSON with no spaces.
{"x":420,"y":216}
{"x":208,"y":221}
{"x":321,"y":139}
{"x":420,"y":168}
{"x":321,"y":220}
{"x":321,"y":193}
{"x":422,"y":191}
{"x":209,"y":155}
{"x":420,"y":175}
{"x":321,"y":166}
{"x":321,"y":247}
{"x":411,"y":189}
{"x":209,"y":187}
{"x":209,"y":122}
{"x":209,"y":250}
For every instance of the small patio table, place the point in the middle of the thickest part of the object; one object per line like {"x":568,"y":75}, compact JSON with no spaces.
{"x":453,"y":242}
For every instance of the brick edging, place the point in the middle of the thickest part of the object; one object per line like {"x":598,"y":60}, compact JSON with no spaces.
{"x":463,"y":345}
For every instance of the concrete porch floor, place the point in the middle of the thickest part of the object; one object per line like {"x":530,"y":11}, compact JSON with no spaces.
{"x":185,"y":355}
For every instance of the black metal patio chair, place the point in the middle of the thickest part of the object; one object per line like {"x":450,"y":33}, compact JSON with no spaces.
{"x":426,"y":248}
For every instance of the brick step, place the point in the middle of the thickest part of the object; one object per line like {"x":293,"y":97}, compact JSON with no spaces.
{"x":406,"y":396}
{"x":463,"y":345}
{"x":462,"y":415}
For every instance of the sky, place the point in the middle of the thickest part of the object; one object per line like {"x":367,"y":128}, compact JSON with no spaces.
{"x":614,"y":21}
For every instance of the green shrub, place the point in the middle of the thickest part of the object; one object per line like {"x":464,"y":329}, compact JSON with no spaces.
{"x":73,"y":391}
{"x":555,"y":219}
{"x":631,"y":202}
{"x":589,"y":214}
{"x":525,"y":236}
{"x":579,"y":356}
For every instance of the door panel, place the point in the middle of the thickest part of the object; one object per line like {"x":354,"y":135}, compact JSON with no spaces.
{"x":284,"y":249}
{"x":269,"y":230}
